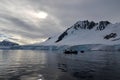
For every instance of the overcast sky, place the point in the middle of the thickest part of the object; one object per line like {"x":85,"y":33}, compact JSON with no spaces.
{"x":29,"y":21}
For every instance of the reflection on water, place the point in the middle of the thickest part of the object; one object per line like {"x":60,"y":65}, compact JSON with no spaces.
{"x":45,"y":65}
{"x":14,"y":64}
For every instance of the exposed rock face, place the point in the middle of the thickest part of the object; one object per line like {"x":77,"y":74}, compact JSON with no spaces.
{"x":62,"y":36}
{"x":84,"y":25}
{"x":102,"y":25}
{"x":111,"y":35}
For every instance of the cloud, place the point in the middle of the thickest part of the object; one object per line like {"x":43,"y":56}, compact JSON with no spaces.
{"x":19,"y":18}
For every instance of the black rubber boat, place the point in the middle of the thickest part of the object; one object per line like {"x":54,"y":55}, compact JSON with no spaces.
{"x":70,"y":52}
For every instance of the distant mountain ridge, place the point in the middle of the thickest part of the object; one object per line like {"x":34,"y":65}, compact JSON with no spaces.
{"x":7,"y":44}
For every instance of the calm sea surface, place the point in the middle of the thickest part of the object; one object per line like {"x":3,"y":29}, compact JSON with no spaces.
{"x":51,"y":65}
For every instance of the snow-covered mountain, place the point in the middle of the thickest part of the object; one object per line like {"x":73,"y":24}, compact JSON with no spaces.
{"x":87,"y":32}
{"x":6,"y":44}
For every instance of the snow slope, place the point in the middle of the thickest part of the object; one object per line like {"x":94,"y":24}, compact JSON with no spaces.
{"x":88,"y":32}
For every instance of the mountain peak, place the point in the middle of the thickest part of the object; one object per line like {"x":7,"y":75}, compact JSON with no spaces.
{"x":102,"y":25}
{"x":7,"y":43}
{"x":84,"y":24}
{"x":88,"y":32}
{"x":91,"y":24}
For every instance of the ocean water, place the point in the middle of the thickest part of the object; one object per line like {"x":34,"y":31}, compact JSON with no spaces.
{"x":53,"y":65}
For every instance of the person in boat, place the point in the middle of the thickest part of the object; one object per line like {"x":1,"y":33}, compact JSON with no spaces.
{"x":70,"y":52}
